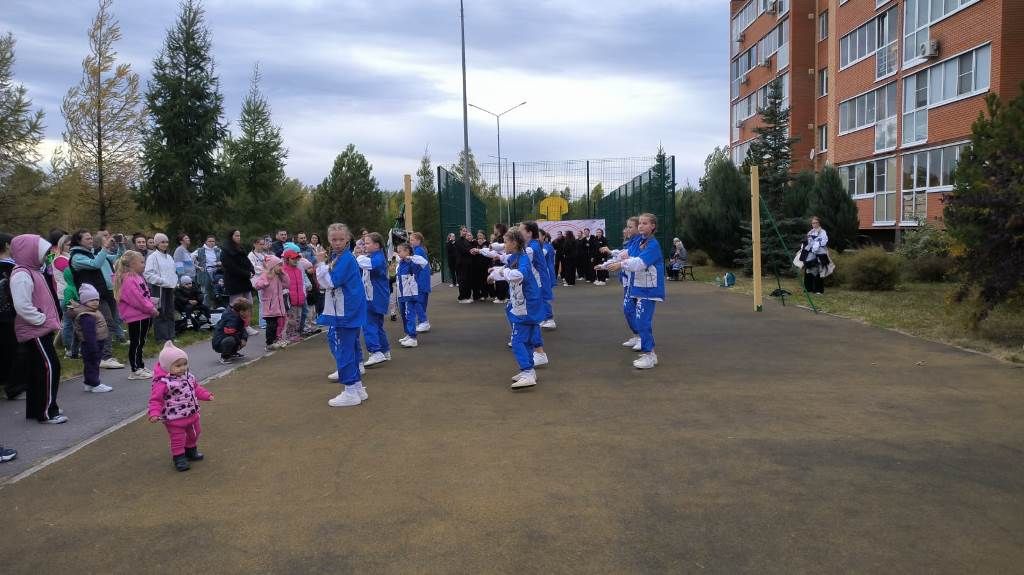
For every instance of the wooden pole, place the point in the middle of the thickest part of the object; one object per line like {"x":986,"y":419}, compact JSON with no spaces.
{"x":755,"y":234}
{"x":408,"y":203}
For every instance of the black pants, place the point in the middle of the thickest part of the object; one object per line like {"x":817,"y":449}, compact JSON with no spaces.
{"x":602,"y":275}
{"x":272,"y":328}
{"x":137,"y":332}
{"x":813,"y":282}
{"x":228,"y":346}
{"x":163,"y":325}
{"x":453,"y":271}
{"x":501,"y":290}
{"x":12,"y":378}
{"x":569,"y":271}
{"x":588,"y":269}
{"x":195,"y":315}
{"x":43,"y":367}
{"x":465,"y":283}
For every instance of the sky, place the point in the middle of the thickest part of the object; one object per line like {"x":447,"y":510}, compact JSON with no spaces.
{"x":602,"y":79}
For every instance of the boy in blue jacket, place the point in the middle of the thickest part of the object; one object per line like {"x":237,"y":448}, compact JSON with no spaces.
{"x":230,"y":335}
{"x":344,"y":311}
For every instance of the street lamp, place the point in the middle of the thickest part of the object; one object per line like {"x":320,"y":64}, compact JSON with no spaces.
{"x":497,"y":118}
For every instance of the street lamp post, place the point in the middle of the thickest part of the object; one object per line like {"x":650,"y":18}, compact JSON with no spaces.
{"x":497,"y":118}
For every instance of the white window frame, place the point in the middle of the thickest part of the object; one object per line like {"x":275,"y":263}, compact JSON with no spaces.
{"x":853,"y":102}
{"x":932,"y":101}
{"x":823,"y":25}
{"x":930,"y":20}
{"x":823,"y":138}
{"x":823,"y":82}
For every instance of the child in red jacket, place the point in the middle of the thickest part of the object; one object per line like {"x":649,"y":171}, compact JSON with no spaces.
{"x":174,"y":400}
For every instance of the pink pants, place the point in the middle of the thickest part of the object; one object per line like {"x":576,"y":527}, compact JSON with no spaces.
{"x":183,"y":433}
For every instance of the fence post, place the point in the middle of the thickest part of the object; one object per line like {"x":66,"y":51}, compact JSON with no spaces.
{"x":755,"y":234}
{"x":408,"y":203}
{"x":590,"y":212}
{"x":515,"y":213}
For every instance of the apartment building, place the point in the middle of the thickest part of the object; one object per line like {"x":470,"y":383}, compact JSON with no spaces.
{"x":896,"y":85}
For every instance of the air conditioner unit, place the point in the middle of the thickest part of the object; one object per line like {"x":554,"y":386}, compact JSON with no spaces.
{"x":810,"y":127}
{"x":738,"y":124}
{"x":773,"y":7}
{"x":767,"y":62}
{"x":744,"y":79}
{"x":929,"y":49}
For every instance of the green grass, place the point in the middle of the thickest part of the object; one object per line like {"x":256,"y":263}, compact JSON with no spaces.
{"x":73,"y":367}
{"x":917,"y":308}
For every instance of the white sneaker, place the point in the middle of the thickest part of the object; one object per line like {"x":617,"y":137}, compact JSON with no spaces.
{"x":333,"y":376}
{"x":409,"y":342}
{"x":111,"y":364}
{"x":139,"y":374}
{"x":363,"y":396}
{"x":348,"y":398}
{"x":637,"y":346}
{"x":599,"y":283}
{"x":540,"y":358}
{"x":101,"y":388}
{"x":526,"y":379}
{"x":632,"y":342}
{"x":387,"y":356}
{"x":465,"y":301}
{"x":147,"y":372}
{"x":646,"y":361}
{"x":251,"y":330}
{"x":548,"y":324}
{"x":375,"y":358}
{"x":423,"y":327}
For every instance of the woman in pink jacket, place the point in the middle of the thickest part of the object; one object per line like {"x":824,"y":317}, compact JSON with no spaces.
{"x":271,"y":285}
{"x":136,"y":308}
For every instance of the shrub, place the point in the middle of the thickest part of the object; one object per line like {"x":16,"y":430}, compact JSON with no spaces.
{"x":698,"y":258}
{"x":922,"y":241}
{"x":873,"y":269}
{"x":930,"y":268}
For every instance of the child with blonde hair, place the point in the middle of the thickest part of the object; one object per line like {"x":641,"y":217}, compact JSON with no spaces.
{"x":136,"y":307}
{"x":271,"y":284}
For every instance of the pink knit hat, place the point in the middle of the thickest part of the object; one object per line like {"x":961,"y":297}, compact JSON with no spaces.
{"x":170,"y":354}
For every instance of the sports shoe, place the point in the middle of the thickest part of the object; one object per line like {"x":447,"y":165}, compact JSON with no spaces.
{"x":111,"y":363}
{"x":410,"y":342}
{"x":69,"y":355}
{"x":221,"y":360}
{"x":100,"y":388}
{"x":646,"y":361}
{"x":548,"y":324}
{"x":139,"y":374}
{"x":363,"y":396}
{"x":540,"y":358}
{"x":599,"y":283}
{"x":423,"y":327}
{"x":362,"y":368}
{"x":56,"y":420}
{"x":387,"y":356}
{"x":7,"y":454}
{"x":637,"y":345}
{"x":526,"y":379}
{"x":280,"y":344}
{"x":465,"y":301}
{"x":348,"y":398}
{"x":149,"y":373}
{"x":193,"y":454}
{"x":251,"y":330}
{"x":631,"y":341}
{"x":375,"y":358}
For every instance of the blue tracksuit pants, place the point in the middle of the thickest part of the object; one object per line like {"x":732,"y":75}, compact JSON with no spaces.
{"x":525,"y":337}
{"x":344,"y":343}
{"x":629,"y":311}
{"x":376,"y":338}
{"x":643,"y":321}
{"x":410,"y":313}
{"x":421,"y":309}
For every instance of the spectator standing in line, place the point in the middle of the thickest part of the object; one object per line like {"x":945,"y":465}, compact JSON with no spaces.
{"x":88,"y":266}
{"x":207,"y":259}
{"x":279,"y":240}
{"x":136,"y":306}
{"x":464,"y":265}
{"x":453,"y":260}
{"x":238,"y":270}
{"x":569,"y":245}
{"x":61,"y":276}
{"x":91,"y":329}
{"x":139,"y":244}
{"x":597,"y":246}
{"x":11,"y":378}
{"x":257,"y":256}
{"x":161,"y":274}
{"x":183,"y":264}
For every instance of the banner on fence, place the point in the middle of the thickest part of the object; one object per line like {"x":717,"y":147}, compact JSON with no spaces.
{"x":576,"y":226}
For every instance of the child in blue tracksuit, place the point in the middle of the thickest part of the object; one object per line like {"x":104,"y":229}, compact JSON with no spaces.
{"x":539,"y":269}
{"x":344,"y":312}
{"x":629,"y":237}
{"x":422,"y":282}
{"x":377,"y":306}
{"x":644,"y":266}
{"x":549,"y":292}
{"x":525,"y":307}
{"x":408,"y":286}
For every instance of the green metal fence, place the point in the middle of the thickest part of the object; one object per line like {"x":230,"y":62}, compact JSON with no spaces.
{"x":652,"y":191}
{"x":451,"y":195}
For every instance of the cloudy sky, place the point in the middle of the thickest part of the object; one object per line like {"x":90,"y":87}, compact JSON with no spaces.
{"x":602,"y":78}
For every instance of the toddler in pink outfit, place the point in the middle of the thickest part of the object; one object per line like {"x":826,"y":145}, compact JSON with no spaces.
{"x":174,"y":400}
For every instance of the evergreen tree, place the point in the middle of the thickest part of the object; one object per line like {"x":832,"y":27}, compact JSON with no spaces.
{"x":180,"y":164}
{"x":255,"y":161}
{"x":772,"y":150}
{"x":426,"y":215}
{"x":349,"y":194}
{"x":725,"y":207}
{"x":103,"y":123}
{"x":985,"y":211}
{"x":836,"y":210}
{"x":476,"y":183}
{"x":21,"y":129}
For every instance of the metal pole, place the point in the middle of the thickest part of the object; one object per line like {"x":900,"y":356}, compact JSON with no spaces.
{"x":589,"y":211}
{"x":498,"y":120}
{"x":465,"y":119}
{"x":516,"y":213}
{"x":755,"y":234}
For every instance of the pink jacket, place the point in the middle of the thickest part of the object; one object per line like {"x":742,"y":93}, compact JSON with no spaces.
{"x":296,"y":287}
{"x":271,"y":290}
{"x":175,"y":397}
{"x":135,"y":303}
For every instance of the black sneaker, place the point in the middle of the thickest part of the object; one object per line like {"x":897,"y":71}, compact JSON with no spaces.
{"x":7,"y":454}
{"x":224,"y":360}
{"x":193,"y":454}
{"x":181,"y":463}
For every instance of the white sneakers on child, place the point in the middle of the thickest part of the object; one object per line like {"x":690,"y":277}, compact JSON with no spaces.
{"x":111,"y":363}
{"x":631,"y":342}
{"x":333,"y":377}
{"x":251,"y":330}
{"x":353,"y":395}
{"x":101,"y":388}
{"x":423,"y":327}
{"x":599,"y":283}
{"x":548,"y":324}
{"x":362,"y":368}
{"x":539,"y":358}
{"x":646,"y":361}
{"x":527,"y":378}
{"x":465,"y":301}
{"x":140,"y":374}
{"x":375,"y":358}
{"x":408,"y":342}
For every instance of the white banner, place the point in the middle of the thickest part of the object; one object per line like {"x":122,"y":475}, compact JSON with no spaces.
{"x":576,"y":226}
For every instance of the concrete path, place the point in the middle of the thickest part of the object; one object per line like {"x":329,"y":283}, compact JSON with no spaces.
{"x":777,"y":442}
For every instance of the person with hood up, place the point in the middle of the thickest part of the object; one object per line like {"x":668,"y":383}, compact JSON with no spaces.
{"x":34,"y":325}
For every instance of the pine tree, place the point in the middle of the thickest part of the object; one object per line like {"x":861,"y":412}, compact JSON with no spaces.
{"x":426,"y":216}
{"x":772,"y":150}
{"x":836,"y":210}
{"x":985,"y":211}
{"x":103,"y":123}
{"x":725,"y":207}
{"x":349,"y":194}
{"x":255,"y":167}
{"x":21,"y":129}
{"x":180,"y":164}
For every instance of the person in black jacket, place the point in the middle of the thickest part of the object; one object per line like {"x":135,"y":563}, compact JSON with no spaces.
{"x":453,"y":260}
{"x":481,"y":265}
{"x":11,"y":379}
{"x":597,"y":243}
{"x":583,"y":256}
{"x":188,"y":301}
{"x":570,"y":248}
{"x":237,"y":268}
{"x":229,"y":335}
{"x":464,"y":265}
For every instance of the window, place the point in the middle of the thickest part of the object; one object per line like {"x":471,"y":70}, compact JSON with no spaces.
{"x":823,"y":137}
{"x":918,"y":15}
{"x":957,"y":77}
{"x":823,"y":25}
{"x":877,"y":36}
{"x":739,"y":152}
{"x":878,"y":178}
{"x":823,"y":82}
{"x":866,"y":109}
{"x":923,"y":172}
{"x":887,"y":56}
